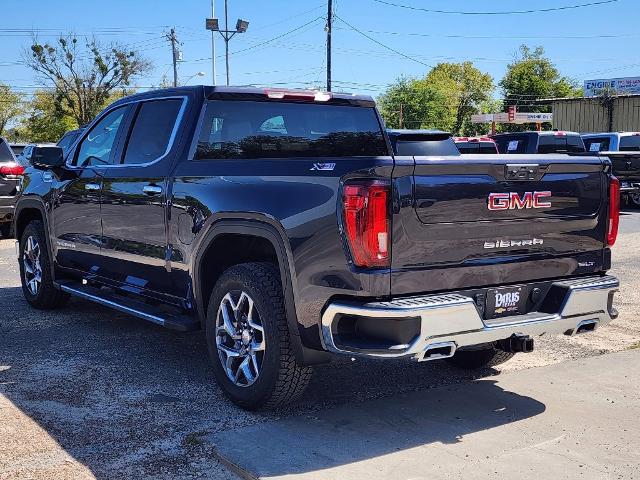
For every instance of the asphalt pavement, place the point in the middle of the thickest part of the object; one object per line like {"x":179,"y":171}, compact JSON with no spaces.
{"x":86,"y":392}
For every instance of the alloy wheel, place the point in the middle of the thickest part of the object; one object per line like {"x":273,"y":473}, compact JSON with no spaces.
{"x":240,"y":338}
{"x":32,"y":267}
{"x":635,"y":199}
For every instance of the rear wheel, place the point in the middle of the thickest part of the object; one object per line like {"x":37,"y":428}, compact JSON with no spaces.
{"x":248,"y":339}
{"x":474,"y":359}
{"x":634,"y":199}
{"x":5,"y":230}
{"x":35,"y":270}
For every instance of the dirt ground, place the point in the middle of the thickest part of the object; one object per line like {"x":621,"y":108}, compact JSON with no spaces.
{"x":86,"y":392}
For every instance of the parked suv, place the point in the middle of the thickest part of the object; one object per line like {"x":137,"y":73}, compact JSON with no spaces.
{"x":282,"y":224}
{"x":539,"y":142}
{"x":10,"y":173}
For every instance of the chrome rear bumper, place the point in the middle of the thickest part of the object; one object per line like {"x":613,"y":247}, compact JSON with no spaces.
{"x":453,"y":319}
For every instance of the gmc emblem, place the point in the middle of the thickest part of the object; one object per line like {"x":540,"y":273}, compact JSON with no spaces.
{"x":513,"y":200}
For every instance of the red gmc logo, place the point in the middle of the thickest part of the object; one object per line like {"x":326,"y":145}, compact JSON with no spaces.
{"x":513,"y":200}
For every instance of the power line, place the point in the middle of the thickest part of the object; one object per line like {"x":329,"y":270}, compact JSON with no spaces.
{"x":413,"y":59}
{"x":505,"y":12}
{"x":507,"y":37}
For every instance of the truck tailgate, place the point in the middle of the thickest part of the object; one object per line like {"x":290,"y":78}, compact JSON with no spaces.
{"x":625,"y":165}
{"x":489,"y":220}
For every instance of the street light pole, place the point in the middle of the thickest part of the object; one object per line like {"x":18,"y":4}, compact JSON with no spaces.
{"x":226,"y":38}
{"x":213,"y":25}
{"x":213,"y":44}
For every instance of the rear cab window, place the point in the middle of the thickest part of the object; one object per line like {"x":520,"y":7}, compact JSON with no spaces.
{"x":630,"y":143}
{"x":477,"y":147}
{"x":512,"y":143}
{"x":560,"y":143}
{"x":234,"y":129}
{"x":423,"y":145}
{"x":6,"y":155}
{"x":597,"y":144}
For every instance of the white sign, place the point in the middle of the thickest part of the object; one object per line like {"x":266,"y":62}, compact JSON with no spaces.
{"x":594,"y":147}
{"x":625,"y":86}
{"x":513,"y":146}
{"x":521,"y":117}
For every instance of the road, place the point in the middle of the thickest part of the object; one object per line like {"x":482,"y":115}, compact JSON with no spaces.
{"x":86,"y":392}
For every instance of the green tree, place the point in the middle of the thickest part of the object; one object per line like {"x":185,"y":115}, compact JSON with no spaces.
{"x":465,"y":88}
{"x":531,"y":77}
{"x":84,"y":78}
{"x":46,"y":121}
{"x":444,"y":99}
{"x":11,"y":106}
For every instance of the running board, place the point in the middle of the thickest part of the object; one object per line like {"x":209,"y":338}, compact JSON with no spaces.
{"x":182,"y":323}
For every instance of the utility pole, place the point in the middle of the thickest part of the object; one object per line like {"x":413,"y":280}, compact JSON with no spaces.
{"x":329,"y":26}
{"x":171,"y":36}
{"x":213,"y":44}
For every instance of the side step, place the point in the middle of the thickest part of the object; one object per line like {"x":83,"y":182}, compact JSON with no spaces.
{"x":109,"y":298}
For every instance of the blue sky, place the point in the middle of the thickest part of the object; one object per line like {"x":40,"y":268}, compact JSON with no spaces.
{"x":592,"y":42}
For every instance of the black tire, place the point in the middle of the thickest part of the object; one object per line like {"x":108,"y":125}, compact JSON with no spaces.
{"x":281,"y":379}
{"x":633,"y":199}
{"x":5,"y":230}
{"x":47,"y":296}
{"x":474,"y":359}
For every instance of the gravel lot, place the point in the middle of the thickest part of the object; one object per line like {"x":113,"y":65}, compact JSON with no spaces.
{"x":86,"y":392}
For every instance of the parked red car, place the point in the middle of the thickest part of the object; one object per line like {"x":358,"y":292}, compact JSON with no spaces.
{"x":475,"y":145}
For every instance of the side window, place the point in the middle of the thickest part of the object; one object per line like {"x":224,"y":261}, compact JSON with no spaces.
{"x":96,"y":148}
{"x":152,"y":129}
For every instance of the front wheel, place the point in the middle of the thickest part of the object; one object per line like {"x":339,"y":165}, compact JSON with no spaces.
{"x":485,"y":357}
{"x":248,"y":339}
{"x":35,"y":270}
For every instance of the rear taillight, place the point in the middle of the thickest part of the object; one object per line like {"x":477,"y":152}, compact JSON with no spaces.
{"x":11,"y":169}
{"x":366,"y":222}
{"x":614,"y":211}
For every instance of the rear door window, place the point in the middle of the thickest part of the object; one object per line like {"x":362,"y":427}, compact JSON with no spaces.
{"x":271,"y":129}
{"x":630,"y":143}
{"x":152,"y":130}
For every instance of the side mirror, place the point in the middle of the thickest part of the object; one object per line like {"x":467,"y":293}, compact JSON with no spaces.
{"x":47,"y":157}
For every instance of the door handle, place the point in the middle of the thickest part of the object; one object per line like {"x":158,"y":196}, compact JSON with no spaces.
{"x":91,"y":186}
{"x":152,"y":189}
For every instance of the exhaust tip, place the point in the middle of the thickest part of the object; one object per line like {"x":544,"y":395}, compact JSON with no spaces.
{"x":586,"y":326}
{"x":439,"y":351}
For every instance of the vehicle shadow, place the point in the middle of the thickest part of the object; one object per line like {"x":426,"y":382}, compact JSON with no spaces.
{"x":128,"y":399}
{"x":372,"y":431}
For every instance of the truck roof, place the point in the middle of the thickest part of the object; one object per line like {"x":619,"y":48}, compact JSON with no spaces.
{"x":252,"y":91}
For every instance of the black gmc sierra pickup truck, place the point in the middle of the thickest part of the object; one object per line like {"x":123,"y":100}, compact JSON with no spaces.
{"x":282,"y":224}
